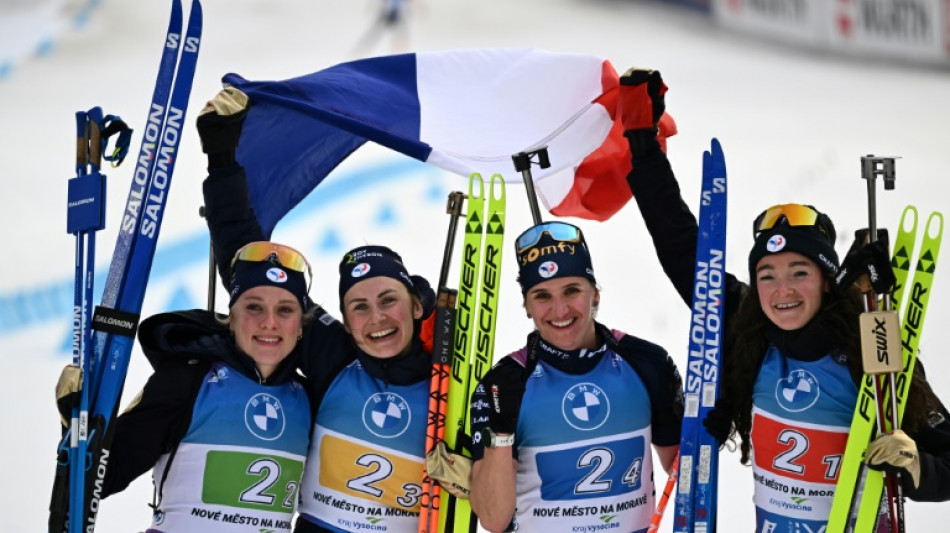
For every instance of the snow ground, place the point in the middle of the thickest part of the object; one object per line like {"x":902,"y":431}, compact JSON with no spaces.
{"x":793,"y":125}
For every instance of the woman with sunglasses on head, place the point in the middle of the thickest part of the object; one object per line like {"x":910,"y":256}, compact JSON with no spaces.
{"x":570,"y":421}
{"x":792,"y":360}
{"x":223,"y":420}
{"x":368,"y":377}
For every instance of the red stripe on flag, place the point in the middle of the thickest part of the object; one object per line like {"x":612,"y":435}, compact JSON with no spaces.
{"x":600,"y":181}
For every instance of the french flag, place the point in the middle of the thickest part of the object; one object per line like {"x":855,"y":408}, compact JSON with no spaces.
{"x":461,"y":110}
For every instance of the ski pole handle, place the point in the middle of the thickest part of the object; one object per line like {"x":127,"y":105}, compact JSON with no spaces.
{"x":523,"y":162}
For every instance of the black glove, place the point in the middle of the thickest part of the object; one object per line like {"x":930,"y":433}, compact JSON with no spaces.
{"x":641,"y":103}
{"x":219,"y":126}
{"x":425,"y":293}
{"x":871,"y":259}
{"x":504,"y":399}
{"x":718,"y":421}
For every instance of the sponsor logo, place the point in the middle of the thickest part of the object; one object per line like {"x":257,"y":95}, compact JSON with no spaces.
{"x":798,"y":391}
{"x":585,"y":406}
{"x":264,"y":416}
{"x":386,"y":415}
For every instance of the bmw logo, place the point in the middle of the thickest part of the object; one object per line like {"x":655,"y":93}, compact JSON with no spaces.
{"x":386,"y":415}
{"x":264,"y":416}
{"x":585,"y":406}
{"x":798,"y":391}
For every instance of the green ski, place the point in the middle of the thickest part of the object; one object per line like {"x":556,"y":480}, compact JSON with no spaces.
{"x":474,"y":334}
{"x":854,"y":478}
{"x":912,"y":325}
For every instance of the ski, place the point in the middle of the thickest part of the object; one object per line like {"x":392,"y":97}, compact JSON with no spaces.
{"x":480,"y":335}
{"x":695,"y":504}
{"x":904,"y":245}
{"x":465,"y":318}
{"x":913,"y":314}
{"x":116,"y":318}
{"x":855,"y":480}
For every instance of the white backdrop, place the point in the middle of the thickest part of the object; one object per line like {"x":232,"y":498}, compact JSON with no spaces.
{"x":793,"y":126}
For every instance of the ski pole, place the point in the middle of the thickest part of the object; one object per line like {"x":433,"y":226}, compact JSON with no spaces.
{"x":441,"y":354}
{"x":85,"y":216}
{"x":880,"y":323}
{"x":665,"y":497}
{"x":76,"y":470}
{"x":211,"y":268}
{"x":523,"y":162}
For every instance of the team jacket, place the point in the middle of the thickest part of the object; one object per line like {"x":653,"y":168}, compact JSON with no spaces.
{"x":673,"y":229}
{"x":227,"y":446}
{"x":334,"y":365}
{"x":585,"y":427}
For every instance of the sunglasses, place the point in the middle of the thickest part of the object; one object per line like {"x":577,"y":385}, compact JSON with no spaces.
{"x":559,"y":231}
{"x":285,"y":256}
{"x":793,"y":214}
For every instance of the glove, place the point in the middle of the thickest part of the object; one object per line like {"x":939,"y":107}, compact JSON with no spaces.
{"x":895,"y":452}
{"x":425,"y":293}
{"x":718,"y":422}
{"x":219,"y":126}
{"x":642,"y":99}
{"x":67,"y":392}
{"x":504,"y":403}
{"x":453,"y":471}
{"x":871,"y":259}
{"x":641,"y":104}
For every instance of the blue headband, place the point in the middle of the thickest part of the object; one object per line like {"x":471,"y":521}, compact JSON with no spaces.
{"x":550,"y":258}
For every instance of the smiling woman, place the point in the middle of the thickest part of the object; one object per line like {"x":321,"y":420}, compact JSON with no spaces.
{"x":792,"y":356}
{"x":368,"y":377}
{"x":618,"y":398}
{"x":223,"y":404}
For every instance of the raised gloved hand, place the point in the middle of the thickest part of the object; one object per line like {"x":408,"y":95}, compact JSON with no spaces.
{"x":219,"y":126}
{"x":718,"y":422}
{"x":642,"y":99}
{"x":641,"y":105}
{"x":67,"y":392}
{"x":895,"y":452}
{"x":871,"y":259}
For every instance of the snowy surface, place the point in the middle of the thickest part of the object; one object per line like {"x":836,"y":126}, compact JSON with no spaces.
{"x":793,"y":126}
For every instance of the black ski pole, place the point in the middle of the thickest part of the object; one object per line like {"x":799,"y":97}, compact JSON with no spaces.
{"x":442,"y":336}
{"x":211,"y":268}
{"x":523,"y":161}
{"x":880,"y":317}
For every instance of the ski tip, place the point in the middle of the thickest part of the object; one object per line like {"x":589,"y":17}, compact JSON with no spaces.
{"x":909,"y":219}
{"x":497,"y":186}
{"x":475,"y":180}
{"x":935,"y":225}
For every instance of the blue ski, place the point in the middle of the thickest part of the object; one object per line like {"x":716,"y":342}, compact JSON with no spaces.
{"x":695,"y":506}
{"x":116,"y":318}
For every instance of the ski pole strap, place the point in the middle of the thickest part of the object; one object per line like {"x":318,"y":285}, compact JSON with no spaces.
{"x":112,"y":125}
{"x":115,"y":321}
